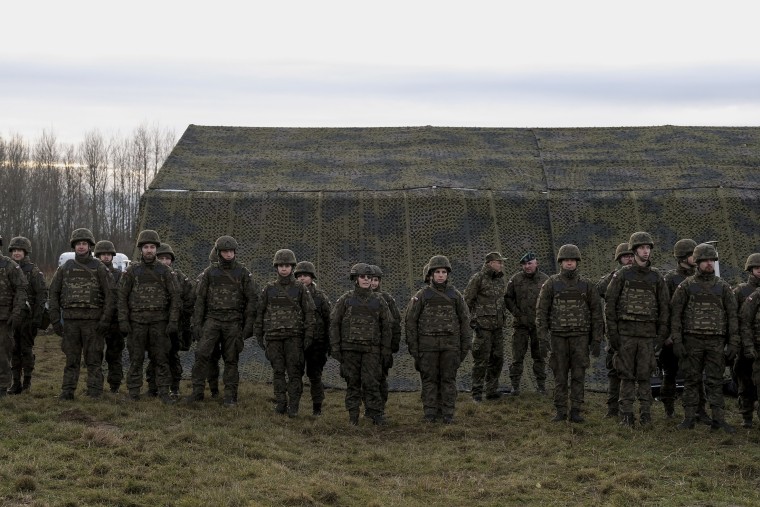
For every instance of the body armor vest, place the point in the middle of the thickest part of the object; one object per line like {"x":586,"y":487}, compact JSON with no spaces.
{"x":704,"y":311}
{"x":570,"y":311}
{"x":225,"y":290}
{"x":438,"y":315}
{"x":361,"y":322}
{"x":81,"y":286}
{"x":638,"y":300}
{"x":283,"y":310}
{"x":149,"y":292}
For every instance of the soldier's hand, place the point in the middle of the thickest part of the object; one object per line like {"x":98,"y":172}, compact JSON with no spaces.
{"x":308,"y":341}
{"x":596,"y":348}
{"x":750,"y":353}
{"x":668,"y":342}
{"x":337,"y":356}
{"x":248,"y":330}
{"x":679,"y":350}
{"x":125,"y":328}
{"x":614,"y":341}
{"x":731,"y":353}
{"x":387,"y":358}
{"x":417,"y":361}
{"x":58,"y":328}
{"x":172,"y":328}
{"x":103,"y":327}
{"x":14,"y":322}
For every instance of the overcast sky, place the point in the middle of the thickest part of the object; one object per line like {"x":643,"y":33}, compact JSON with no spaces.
{"x":69,"y":67}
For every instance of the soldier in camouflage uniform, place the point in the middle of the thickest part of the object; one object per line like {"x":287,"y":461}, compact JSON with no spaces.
{"x":522,"y":293}
{"x":216,"y":355}
{"x":316,"y":355}
{"x":484,"y":296}
{"x":360,"y":340}
{"x":703,"y":323}
{"x":13,"y":287}
{"x":149,"y":308}
{"x":638,"y":312}
{"x":395,"y":325}
{"x":743,"y":366}
{"x":114,"y":340}
{"x":32,"y":314}
{"x":569,"y":307}
{"x":624,"y":257}
{"x":749,"y":324}
{"x":285,"y":326}
{"x":438,"y":335}
{"x":81,"y":309}
{"x":225,"y":308}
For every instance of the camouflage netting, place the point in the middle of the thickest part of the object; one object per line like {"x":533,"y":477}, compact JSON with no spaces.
{"x":396,"y":196}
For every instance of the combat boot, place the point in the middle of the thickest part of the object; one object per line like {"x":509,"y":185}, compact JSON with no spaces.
{"x":316,"y":409}
{"x":3,"y":393}
{"x":575,"y":416}
{"x":230,"y":401}
{"x":134,"y":394}
{"x":166,"y":399}
{"x":196,"y":395}
{"x":429,"y":418}
{"x":721,"y":424}
{"x":670,"y":410}
{"x":27,"y":383}
{"x":493,"y":396}
{"x":281,"y":408}
{"x":612,"y":413}
{"x":477,"y":398}
{"x":66,"y":396}
{"x":645,"y":418}
{"x":448,"y":419}
{"x":115,"y":388}
{"x":747,"y":422}
{"x":703,"y":417}
{"x":15,"y":387}
{"x":541,"y":388}
{"x":153,"y":392}
{"x":688,"y":423}
{"x":560,"y":416}
{"x":292,"y":411}
{"x":379,"y":420}
{"x":353,"y":419}
{"x":515,"y":391}
{"x":627,"y":420}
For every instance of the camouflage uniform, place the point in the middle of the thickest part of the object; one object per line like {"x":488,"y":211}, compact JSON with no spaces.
{"x":13,"y":287}
{"x":114,"y":340}
{"x":216,"y":354}
{"x":742,"y":368}
{"x":395,"y":330}
{"x":484,"y":296}
{"x":438,"y":334}
{"x":520,"y":299}
{"x":750,"y":332}
{"x":613,"y":377}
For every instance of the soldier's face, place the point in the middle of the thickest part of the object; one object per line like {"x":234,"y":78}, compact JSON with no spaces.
{"x":707,"y":266}
{"x":374,"y":283}
{"x":17,"y":254}
{"x":304,"y":278}
{"x":105,"y":257}
{"x":81,"y":247}
{"x":364,"y":281}
{"x":164,"y":259}
{"x":227,"y":255}
{"x":496,"y":265}
{"x":530,"y":267}
{"x":643,"y":252}
{"x":755,"y":271}
{"x":569,"y":264}
{"x":626,"y":259}
{"x":690,"y":260}
{"x":148,"y":251}
{"x":440,"y":275}
{"x":284,"y":269}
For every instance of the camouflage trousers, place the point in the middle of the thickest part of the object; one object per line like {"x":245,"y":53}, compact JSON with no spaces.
{"x":613,"y":381}
{"x":438,"y":371}
{"x":213,"y":368}
{"x":523,"y":338}
{"x":151,"y":338}
{"x":286,"y":356}
{"x":488,"y":360}
{"x":635,"y":363}
{"x":114,"y":347}
{"x":703,"y":354}
{"x":228,"y":334}
{"x":569,"y":360}
{"x":742,"y":371}
{"x":175,"y":368}
{"x":669,"y":365}
{"x":316,"y":358}
{"x":80,"y":338}
{"x":22,"y":360}
{"x":363,"y":372}
{"x":6,"y":350}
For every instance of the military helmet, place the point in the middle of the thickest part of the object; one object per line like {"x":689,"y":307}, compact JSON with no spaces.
{"x":82,"y":235}
{"x":148,"y":236}
{"x":705,"y":252}
{"x":306,"y":268}
{"x":360,"y":268}
{"x":640,"y":238}
{"x":494,"y":256}
{"x":22,"y":243}
{"x":621,"y":250}
{"x":212,"y":255}
{"x":753,"y":261}
{"x":225,"y":243}
{"x":376,"y":270}
{"x":684,"y":248}
{"x":568,"y":252}
{"x":439,"y":261}
{"x":284,"y":256}
{"x":104,"y":246}
{"x":166,"y":249}
{"x":426,"y":273}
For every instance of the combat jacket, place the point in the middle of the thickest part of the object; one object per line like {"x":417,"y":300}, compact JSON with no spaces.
{"x":396,"y":316}
{"x":673,"y":278}
{"x":116,"y":278}
{"x":13,"y":289}
{"x":521,"y":297}
{"x":37,"y":292}
{"x":285,"y":309}
{"x":484,"y":296}
{"x":322,"y":309}
{"x":226,"y":291}
{"x":569,"y":305}
{"x":361,"y":321}
{"x":82,"y":288}
{"x":149,"y":292}
{"x":704,"y":305}
{"x":187,"y":295}
{"x":637,"y":303}
{"x":749,"y":324}
{"x":744,"y":289}
{"x":438,"y":319}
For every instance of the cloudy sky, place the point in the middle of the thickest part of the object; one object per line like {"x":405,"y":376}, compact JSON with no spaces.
{"x":69,"y":67}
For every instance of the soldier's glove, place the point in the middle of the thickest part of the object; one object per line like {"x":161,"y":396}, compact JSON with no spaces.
{"x":387,"y":361}
{"x":103,"y":327}
{"x":668,"y":342}
{"x":58,"y":328}
{"x":417,"y":361}
{"x":614,"y":340}
{"x":750,"y":353}
{"x":731,"y":353}
{"x":248,"y":330}
{"x":125,"y":328}
{"x":679,"y":350}
{"x":596,"y":348}
{"x":14,"y":322}
{"x":172,"y":329}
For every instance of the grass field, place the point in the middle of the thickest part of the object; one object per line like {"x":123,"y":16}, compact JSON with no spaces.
{"x":122,"y":453}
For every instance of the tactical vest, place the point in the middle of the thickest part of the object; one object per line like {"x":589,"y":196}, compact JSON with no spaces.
{"x":638,"y":299}
{"x":149,"y":291}
{"x":361,"y":322}
{"x":756,"y":328}
{"x":31,"y":295}
{"x":225,"y":289}
{"x":81,"y":285}
{"x":283,"y":310}
{"x":438,"y":315}
{"x":7,"y":291}
{"x":704,"y":311}
{"x":570,"y":308}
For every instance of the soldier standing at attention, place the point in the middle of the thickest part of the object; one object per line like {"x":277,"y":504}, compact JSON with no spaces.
{"x":225,"y":308}
{"x":395,"y":326}
{"x":216,"y":355}
{"x":149,"y":307}
{"x":284,"y":328}
{"x":704,"y":323}
{"x":743,"y":366}
{"x":570,"y":309}
{"x":624,"y":257}
{"x":81,"y":308}
{"x":316,"y":355}
{"x":13,"y":287}
{"x":638,"y":312}
{"x":521,"y":297}
{"x":114,"y":341}
{"x":484,"y":296}
{"x":438,"y":335}
{"x":360,"y":340}
{"x":22,"y":361}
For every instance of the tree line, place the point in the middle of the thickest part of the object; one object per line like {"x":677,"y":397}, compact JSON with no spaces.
{"x":48,"y":188}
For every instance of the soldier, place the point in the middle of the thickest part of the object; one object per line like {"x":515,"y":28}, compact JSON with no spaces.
{"x":81,"y":309}
{"x":216,"y":355}
{"x":702,"y":323}
{"x":13,"y":287}
{"x":570,"y":309}
{"x":438,"y":335}
{"x":484,"y":296}
{"x":225,"y":307}
{"x":521,"y":297}
{"x":285,"y":328}
{"x":316,"y":355}
{"x":149,"y":308}
{"x":637,"y":311}
{"x":743,"y":366}
{"x":114,"y":341}
{"x":360,"y":340}
{"x":377,"y":275}
{"x":31,"y":315}
{"x":624,"y":257}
